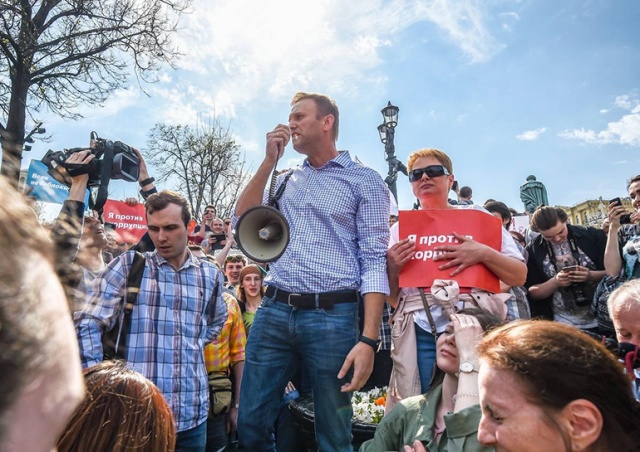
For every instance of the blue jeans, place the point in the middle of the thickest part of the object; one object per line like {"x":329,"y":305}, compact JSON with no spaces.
{"x":282,"y":339}
{"x":193,"y":440}
{"x":426,"y":345}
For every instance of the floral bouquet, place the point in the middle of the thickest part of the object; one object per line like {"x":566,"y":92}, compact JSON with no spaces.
{"x":368,"y":407}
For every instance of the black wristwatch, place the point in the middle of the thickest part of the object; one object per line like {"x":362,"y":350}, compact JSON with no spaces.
{"x":375,"y":345}
{"x":146,"y":194}
{"x":147,"y":181}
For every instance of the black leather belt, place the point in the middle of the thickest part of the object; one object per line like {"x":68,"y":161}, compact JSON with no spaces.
{"x":326,"y":300}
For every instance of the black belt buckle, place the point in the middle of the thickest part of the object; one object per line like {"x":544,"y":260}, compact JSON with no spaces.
{"x":289,"y":299}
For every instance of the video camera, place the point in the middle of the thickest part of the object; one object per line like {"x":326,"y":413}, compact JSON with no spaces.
{"x":124,"y":163}
{"x":113,"y":160}
{"x":627,"y":352}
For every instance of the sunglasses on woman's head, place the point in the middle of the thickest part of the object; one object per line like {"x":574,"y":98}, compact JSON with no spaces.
{"x":431,"y":171}
{"x":234,"y":258}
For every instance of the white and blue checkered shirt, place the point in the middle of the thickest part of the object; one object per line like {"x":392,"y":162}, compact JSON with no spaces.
{"x":170,"y":324}
{"x":339,"y":220}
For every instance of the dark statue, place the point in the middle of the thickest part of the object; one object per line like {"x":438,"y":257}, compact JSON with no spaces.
{"x":533,"y":194}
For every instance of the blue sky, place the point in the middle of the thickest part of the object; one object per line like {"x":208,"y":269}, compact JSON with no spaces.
{"x":507,"y":88}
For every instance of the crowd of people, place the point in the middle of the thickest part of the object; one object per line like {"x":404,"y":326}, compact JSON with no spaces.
{"x":211,"y":348}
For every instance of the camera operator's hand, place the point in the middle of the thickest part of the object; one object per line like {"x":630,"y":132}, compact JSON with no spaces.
{"x":562,"y":279}
{"x":78,"y":188}
{"x":579,"y":275}
{"x":144,"y":172}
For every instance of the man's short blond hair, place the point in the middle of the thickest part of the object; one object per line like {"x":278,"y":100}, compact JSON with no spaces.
{"x":325,"y":105}
{"x":431,"y":152}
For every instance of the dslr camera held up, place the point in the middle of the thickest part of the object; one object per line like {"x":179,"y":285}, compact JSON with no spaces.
{"x":113,"y":160}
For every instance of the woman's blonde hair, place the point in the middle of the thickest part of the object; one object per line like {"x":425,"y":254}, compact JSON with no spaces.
{"x":431,"y":152}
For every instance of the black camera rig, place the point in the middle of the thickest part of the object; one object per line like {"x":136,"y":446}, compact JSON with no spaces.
{"x":113,"y":160}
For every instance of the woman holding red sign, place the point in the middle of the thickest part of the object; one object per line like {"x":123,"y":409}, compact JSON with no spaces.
{"x":423,"y":313}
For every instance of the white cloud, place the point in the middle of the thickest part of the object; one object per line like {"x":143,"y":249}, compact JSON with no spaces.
{"x":119,"y":100}
{"x":243,"y":52}
{"x":625,"y":131}
{"x":511,"y":15}
{"x":531,"y":135}
{"x":624,"y":102}
{"x":463,"y":22}
{"x":508,"y":19}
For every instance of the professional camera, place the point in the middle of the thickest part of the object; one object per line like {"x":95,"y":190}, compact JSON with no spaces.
{"x":578,"y":295}
{"x":113,"y":156}
{"x":113,"y":160}
{"x":629,"y":353}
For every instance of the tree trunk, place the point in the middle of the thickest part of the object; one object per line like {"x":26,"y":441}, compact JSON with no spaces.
{"x":13,"y":135}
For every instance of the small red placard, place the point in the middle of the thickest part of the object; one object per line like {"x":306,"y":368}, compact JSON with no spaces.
{"x":131,"y":222}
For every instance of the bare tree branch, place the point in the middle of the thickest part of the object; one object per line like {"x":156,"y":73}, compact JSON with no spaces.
{"x":59,"y":55}
{"x":204,"y":164}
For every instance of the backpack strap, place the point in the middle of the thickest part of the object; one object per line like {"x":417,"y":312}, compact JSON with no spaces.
{"x":213,"y":300}
{"x":116,"y":342}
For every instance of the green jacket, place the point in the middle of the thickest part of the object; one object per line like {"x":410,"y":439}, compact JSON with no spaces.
{"x":413,"y":418}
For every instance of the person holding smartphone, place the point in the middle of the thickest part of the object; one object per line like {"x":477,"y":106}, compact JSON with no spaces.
{"x":623,"y":239}
{"x":217,"y":237}
{"x":564,"y":267}
{"x":622,"y":250}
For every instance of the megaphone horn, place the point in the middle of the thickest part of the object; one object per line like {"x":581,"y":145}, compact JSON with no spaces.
{"x":262,"y":233}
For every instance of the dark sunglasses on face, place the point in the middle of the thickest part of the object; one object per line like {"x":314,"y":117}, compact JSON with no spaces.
{"x":431,"y":171}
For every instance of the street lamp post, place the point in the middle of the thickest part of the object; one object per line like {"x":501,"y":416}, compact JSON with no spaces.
{"x":37,"y":129}
{"x":387,"y":134}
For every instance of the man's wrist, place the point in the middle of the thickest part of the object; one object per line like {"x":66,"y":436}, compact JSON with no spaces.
{"x":373,"y":343}
{"x":146,"y":193}
{"x":146,"y":181}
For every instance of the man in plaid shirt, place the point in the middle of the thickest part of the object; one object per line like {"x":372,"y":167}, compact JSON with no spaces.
{"x":179,"y":309}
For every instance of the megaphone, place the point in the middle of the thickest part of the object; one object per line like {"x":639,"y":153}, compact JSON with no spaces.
{"x":262,"y":234}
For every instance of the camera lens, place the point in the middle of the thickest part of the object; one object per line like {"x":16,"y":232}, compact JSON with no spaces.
{"x":578,"y":295}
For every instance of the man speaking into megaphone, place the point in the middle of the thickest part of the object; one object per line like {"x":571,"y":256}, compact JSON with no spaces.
{"x":337,"y":213}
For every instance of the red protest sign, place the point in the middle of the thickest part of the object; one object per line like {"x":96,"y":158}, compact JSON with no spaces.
{"x":433,"y":228}
{"x":131,"y":222}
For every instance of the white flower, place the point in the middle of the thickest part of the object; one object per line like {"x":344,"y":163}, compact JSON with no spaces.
{"x":364,"y":406}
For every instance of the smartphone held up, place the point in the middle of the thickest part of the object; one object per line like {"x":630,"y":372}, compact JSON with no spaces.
{"x":624,"y":219}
